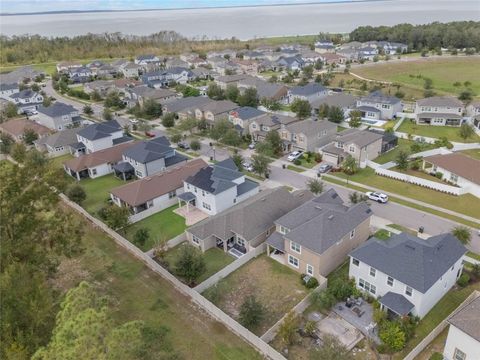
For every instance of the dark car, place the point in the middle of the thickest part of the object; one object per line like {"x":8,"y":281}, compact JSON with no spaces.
{"x":183,"y":145}
{"x":322,"y":169}
{"x":149,"y":134}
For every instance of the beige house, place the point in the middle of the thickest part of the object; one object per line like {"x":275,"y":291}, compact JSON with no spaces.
{"x":260,"y":126}
{"x":362,"y":145}
{"x":316,"y":237}
{"x":439,"y":111}
{"x":307,"y":135}
{"x":215,"y":110}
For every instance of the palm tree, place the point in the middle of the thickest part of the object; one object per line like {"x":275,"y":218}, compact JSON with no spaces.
{"x":462,"y":233}
{"x":349,"y":165}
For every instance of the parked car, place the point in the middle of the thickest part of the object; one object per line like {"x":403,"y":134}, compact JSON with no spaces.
{"x":295,"y":155}
{"x":377,"y":196}
{"x":134,"y":121}
{"x":30,"y":112}
{"x":183,"y":145}
{"x":247,"y":166}
{"x":322,"y":169}
{"x":149,"y":134}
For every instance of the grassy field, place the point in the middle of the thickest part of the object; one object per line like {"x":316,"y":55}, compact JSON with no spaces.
{"x":444,"y":72}
{"x":391,"y":155}
{"x":162,"y":227}
{"x":451,"y":133}
{"x":474,"y":153}
{"x":97,"y":191}
{"x":140,"y":294}
{"x":215,"y":260}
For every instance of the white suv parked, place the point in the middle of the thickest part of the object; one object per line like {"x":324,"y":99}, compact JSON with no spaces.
{"x":378,"y":197}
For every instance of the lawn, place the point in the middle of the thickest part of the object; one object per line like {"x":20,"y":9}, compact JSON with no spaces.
{"x":295,"y":168}
{"x":215,"y":260}
{"x":274,"y":285}
{"x":473,"y":153}
{"x":444,"y":72}
{"x":451,"y":133}
{"x":465,"y":204}
{"x":162,"y":227}
{"x":308,"y":164}
{"x":140,"y":294}
{"x":59,"y":160}
{"x":437,"y":345}
{"x":403,"y":145}
{"x":420,"y":174}
{"x":97,"y":191}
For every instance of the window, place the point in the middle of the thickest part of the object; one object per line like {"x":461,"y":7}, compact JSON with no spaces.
{"x":309,"y":270}
{"x":367,"y":286}
{"x":283,"y":230}
{"x":293,"y":261}
{"x":351,"y":149}
{"x":389,"y":281}
{"x":352,"y":233}
{"x":240,"y":241}
{"x":138,"y":173}
{"x":355,"y":262}
{"x":206,"y":206}
{"x":295,"y":247}
{"x":196,"y":240}
{"x":459,"y":355}
{"x":373,"y":272}
{"x":172,"y":194}
{"x":254,"y":126}
{"x":94,"y":171}
{"x":453,"y":178}
{"x":408,"y":291}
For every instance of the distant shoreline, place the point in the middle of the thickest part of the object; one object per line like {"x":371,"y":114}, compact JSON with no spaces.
{"x":189,"y":8}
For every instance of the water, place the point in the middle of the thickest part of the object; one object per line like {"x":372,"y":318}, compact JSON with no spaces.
{"x":246,"y":22}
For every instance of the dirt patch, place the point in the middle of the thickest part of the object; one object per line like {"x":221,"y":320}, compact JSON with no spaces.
{"x":69,"y":273}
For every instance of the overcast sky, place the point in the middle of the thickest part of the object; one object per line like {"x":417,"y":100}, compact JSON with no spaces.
{"x":21,"y":6}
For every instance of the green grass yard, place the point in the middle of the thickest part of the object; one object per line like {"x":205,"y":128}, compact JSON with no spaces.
{"x":295,"y":168}
{"x":473,"y":153}
{"x":162,"y":227}
{"x":451,"y":133}
{"x":98,"y":191}
{"x":403,"y":145}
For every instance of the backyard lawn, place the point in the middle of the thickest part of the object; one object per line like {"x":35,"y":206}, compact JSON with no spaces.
{"x":140,"y":294}
{"x":274,"y":285}
{"x":465,"y":204}
{"x":215,"y":260}
{"x":451,"y":133}
{"x":97,"y":191}
{"x":473,"y":153}
{"x":162,"y":227}
{"x":391,"y":155}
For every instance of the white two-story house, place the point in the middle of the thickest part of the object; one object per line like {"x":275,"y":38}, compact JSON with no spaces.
{"x":26,"y":100}
{"x":58,"y":116}
{"x":217,"y":188}
{"x":407,"y":274}
{"x":377,"y":106}
{"x":439,"y":111}
{"x":7,"y":90}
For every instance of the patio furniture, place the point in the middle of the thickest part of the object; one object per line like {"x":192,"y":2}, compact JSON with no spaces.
{"x":358,"y":311}
{"x":359,"y":301}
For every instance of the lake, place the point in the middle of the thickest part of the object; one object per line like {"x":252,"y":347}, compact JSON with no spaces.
{"x":245,"y":22}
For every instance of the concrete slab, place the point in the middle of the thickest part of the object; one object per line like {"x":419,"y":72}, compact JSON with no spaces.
{"x":346,"y":333}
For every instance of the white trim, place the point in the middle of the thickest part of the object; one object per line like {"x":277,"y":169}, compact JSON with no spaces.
{"x":292,"y":259}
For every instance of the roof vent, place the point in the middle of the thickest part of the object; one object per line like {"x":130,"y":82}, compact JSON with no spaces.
{"x":330,"y":217}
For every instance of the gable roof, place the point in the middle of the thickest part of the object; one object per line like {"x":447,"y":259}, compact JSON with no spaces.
{"x":57,"y":109}
{"x":413,"y":261}
{"x":186,"y":103}
{"x":341,"y":100}
{"x":251,"y":217}
{"x":24,"y":94}
{"x":323,"y":221}
{"x":310,"y":128}
{"x":306,"y":90}
{"x":140,"y":191}
{"x":440,"y":101}
{"x":246,"y":112}
{"x":17,"y":127}
{"x":61,"y":138}
{"x":151,"y":150}
{"x":270,"y":119}
{"x":361,"y":138}
{"x":100,"y":130}
{"x":459,"y":164}
{"x":219,"y":106}
{"x":467,"y":319}
{"x":379,"y":97}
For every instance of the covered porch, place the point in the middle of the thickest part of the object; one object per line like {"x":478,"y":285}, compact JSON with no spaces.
{"x":234,"y":246}
{"x":124,"y":171}
{"x":276,"y":247}
{"x":396,"y":305}
{"x":78,"y":175}
{"x":188,"y":210}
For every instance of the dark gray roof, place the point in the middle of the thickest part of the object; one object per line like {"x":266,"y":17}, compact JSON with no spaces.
{"x":175,"y":159}
{"x":440,"y":101}
{"x":100,"y":130}
{"x":340,"y":100}
{"x":246,"y":186}
{"x":360,"y":138}
{"x":124,"y":167}
{"x":251,"y":217}
{"x":276,"y":240}
{"x":368,"y":108}
{"x":379,"y":97}
{"x":467,"y":319}
{"x":415,"y":262}
{"x":122,"y":139}
{"x":397,"y":303}
{"x":186,"y":103}
{"x":61,"y":138}
{"x":11,"y":86}
{"x":323,"y":221}
{"x":307,"y":90}
{"x":187,"y":196}
{"x":247,"y":112}
{"x":146,"y":57}
{"x":56,"y":109}
{"x":24,"y":94}
{"x":439,"y":115}
{"x":147,"y":151}
{"x":77,"y":145}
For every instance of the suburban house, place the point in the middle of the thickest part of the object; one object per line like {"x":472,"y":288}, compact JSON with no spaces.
{"x":146,"y":59}
{"x":58,"y":116}
{"x":224,"y":81}
{"x":265,"y":89}
{"x":217,"y":188}
{"x":456,"y":168}
{"x":176,"y":62}
{"x":130,"y":70}
{"x":99,"y":136}
{"x":362,"y":145}
{"x":23,"y":74}
{"x":16,"y":128}
{"x":163,"y":78}
{"x":215,"y":110}
{"x":103,"y":87}
{"x":185,"y":107}
{"x":64,"y":66}
{"x":26,"y":100}
{"x":139,"y":94}
{"x":245,"y":226}
{"x":329,"y":58}
{"x":260,"y":126}
{"x":80,"y":75}
{"x":147,"y":158}
{"x":247,"y":66}
{"x":409,"y":275}
{"x":324,"y":47}
{"x":463,"y":339}
{"x":59,"y":143}
{"x":106,"y":71}
{"x":392,"y":48}
{"x":377,"y":106}
{"x":316,"y":237}
{"x":307,"y":135}
{"x":96,"y":164}
{"x":291,"y":63}
{"x":311,"y":92}
{"x":346,"y":102}
{"x":242,"y":117}
{"x":7,"y":90}
{"x":154,"y":193}
{"x":439,"y":111}
{"x":473,"y":110}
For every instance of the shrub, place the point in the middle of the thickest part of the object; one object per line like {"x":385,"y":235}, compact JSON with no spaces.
{"x":141,"y":236}
{"x":318,"y":157}
{"x":297,"y":162}
{"x":392,"y":336}
{"x":76,"y":193}
{"x":439,"y":175}
{"x":310,"y":327}
{"x":323,"y":299}
{"x":436,"y":356}
{"x":195,"y":145}
{"x":463,"y":280}
{"x":341,"y":289}
{"x":311,"y":283}
{"x":190,"y":264}
{"x":251,"y":312}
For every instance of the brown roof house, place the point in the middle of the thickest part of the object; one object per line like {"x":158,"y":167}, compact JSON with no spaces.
{"x":215,"y":110}
{"x":16,"y":128}
{"x":455,"y":168}
{"x":316,"y":237}
{"x":152,"y":194}
{"x":260,"y":126}
{"x":307,"y":135}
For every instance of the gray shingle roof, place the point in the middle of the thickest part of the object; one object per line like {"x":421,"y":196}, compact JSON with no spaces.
{"x":147,"y":151}
{"x":323,"y":221}
{"x":100,"y":130}
{"x":340,"y":100}
{"x":397,"y":303}
{"x":57,"y":109}
{"x":379,"y":97}
{"x":368,"y":108}
{"x":307,"y":90}
{"x":61,"y":138}
{"x":24,"y":94}
{"x":467,"y":319}
{"x":276,"y":240}
{"x":11,"y":86}
{"x":311,"y":127}
{"x":415,"y":262}
{"x":360,"y":138}
{"x":440,"y":101}
{"x":251,"y":217}
{"x":247,"y":112}
{"x":186,"y":103}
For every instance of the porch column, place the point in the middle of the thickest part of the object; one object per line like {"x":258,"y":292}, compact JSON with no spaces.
{"x":77,"y":175}
{"x":423,"y":165}
{"x":225,"y":247}
{"x":268,"y":250}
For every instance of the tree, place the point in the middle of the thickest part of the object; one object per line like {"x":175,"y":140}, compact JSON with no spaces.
{"x":335,"y":114}
{"x":116,"y":217}
{"x":95,"y":96}
{"x":112,"y":100}
{"x":195,"y":145}
{"x":10,"y":110}
{"x":248,"y":98}
{"x":188,"y":124}
{"x":308,"y":71}
{"x":274,"y":141}
{"x":260,"y":164}
{"x":331,"y":349}
{"x":141,"y":236}
{"x":402,"y":160}
{"x":301,"y":108}
{"x":466,"y":95}
{"x":215,"y":92}
{"x":355,"y":197}
{"x":176,"y":138}
{"x":392,"y":336}
{"x":288,"y":328}
{"x":47,"y":101}
{"x":168,"y":120}
{"x":238,"y":160}
{"x":107,"y":114}
{"x":349,"y":165}
{"x":355,"y":119}
{"x":466,"y":131}
{"x":231,"y":137}
{"x":252,"y":312}
{"x":315,"y":186}
{"x":29,"y":136}
{"x":323,"y":111}
{"x":87,"y":110}
{"x":219,"y":129}
{"x":18,"y":152}
{"x":232,"y":93}
{"x":6,"y":142}
{"x":462,"y":233}
{"x":190,"y":264}
{"x":152,"y":109}
{"x":76,"y":193}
